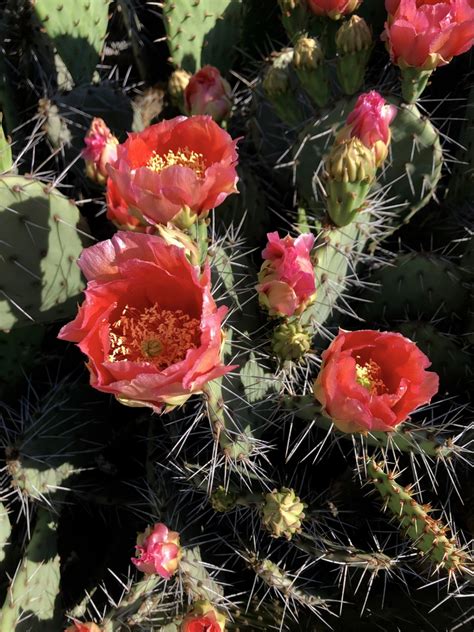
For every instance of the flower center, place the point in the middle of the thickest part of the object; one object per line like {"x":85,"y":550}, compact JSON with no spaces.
{"x":183,"y":158}
{"x":159,"y":336}
{"x":369,"y":375}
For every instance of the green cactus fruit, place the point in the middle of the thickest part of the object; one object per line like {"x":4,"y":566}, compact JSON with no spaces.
{"x":409,"y":277}
{"x":78,"y":35}
{"x":279,"y":86}
{"x":448,"y":358}
{"x":282,"y":513}
{"x":427,"y":534}
{"x":39,"y":278}
{"x":354,"y":45}
{"x":410,"y":174}
{"x":34,"y":593}
{"x":202,"y":32}
{"x":5,"y":150}
{"x":310,"y":67}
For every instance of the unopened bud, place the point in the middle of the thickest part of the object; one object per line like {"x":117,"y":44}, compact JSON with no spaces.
{"x":309,"y":64}
{"x":283,"y":512}
{"x":177,"y":84}
{"x":354,"y":45}
{"x":308,"y":53}
{"x":291,"y":341}
{"x":350,"y":171}
{"x":276,"y":81}
{"x":100,"y":150}
{"x":277,"y":85}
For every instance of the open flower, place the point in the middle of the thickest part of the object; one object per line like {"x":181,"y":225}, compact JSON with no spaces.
{"x":118,"y":211}
{"x":149,"y":325}
{"x":286,"y":279}
{"x":158,"y":551}
{"x":334,"y":9}
{"x":100,"y":150}
{"x":176,"y":170}
{"x":208,"y":93}
{"x":78,"y":626}
{"x":370,"y":121}
{"x":203,"y":618}
{"x":427,"y":33}
{"x":372,"y":380}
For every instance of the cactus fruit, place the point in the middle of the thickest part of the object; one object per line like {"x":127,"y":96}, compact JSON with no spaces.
{"x":203,"y":32}
{"x":39,"y":279}
{"x":78,"y":36}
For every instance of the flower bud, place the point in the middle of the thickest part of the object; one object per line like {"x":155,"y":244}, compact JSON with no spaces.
{"x":279,"y":87}
{"x":78,"y":626}
{"x":158,"y":551}
{"x":308,"y":53}
{"x":308,"y":62}
{"x":208,"y":93}
{"x":283,"y":512}
{"x":335,"y":9}
{"x":291,"y":341}
{"x":223,"y":500}
{"x":203,"y":618}
{"x":276,"y":81}
{"x":100,"y":150}
{"x":177,"y":84}
{"x":353,"y":36}
{"x":354,"y":45}
{"x":350,"y":171}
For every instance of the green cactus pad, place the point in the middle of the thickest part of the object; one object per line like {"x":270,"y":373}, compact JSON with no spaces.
{"x":78,"y":32}
{"x":39,"y":277}
{"x":34,"y":593}
{"x":196,"y":579}
{"x":202,"y":32}
{"x":410,"y":276}
{"x":5,"y":531}
{"x":5,"y":150}
{"x":428,"y":535}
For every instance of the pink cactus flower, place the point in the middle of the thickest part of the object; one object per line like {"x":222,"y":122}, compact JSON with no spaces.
{"x":158,"y":551}
{"x":208,"y":93}
{"x":373,"y":380}
{"x":100,"y":150}
{"x":334,"y":9}
{"x":149,"y":325}
{"x":425,"y":34}
{"x":119,"y":213}
{"x":370,"y":122}
{"x":176,"y":168}
{"x":286,"y":279}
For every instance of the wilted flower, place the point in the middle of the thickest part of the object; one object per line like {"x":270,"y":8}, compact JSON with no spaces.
{"x":176,"y":170}
{"x":372,"y":380}
{"x":100,"y":150}
{"x":370,"y":122}
{"x":158,"y":551}
{"x":286,"y":279}
{"x":149,"y":325}
{"x":208,"y":93}
{"x":334,"y":9}
{"x":203,"y":618}
{"x":427,"y":33}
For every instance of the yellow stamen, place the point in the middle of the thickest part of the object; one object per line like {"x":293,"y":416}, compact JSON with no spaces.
{"x":368,"y":375}
{"x":155,"y":335}
{"x":183,"y":157}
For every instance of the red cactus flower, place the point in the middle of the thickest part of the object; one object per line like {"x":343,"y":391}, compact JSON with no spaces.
{"x":118,"y":211}
{"x":149,"y":325}
{"x":158,"y":551}
{"x":100,"y":150}
{"x":203,"y":618}
{"x":176,"y":170}
{"x":208,"y":93}
{"x":370,"y":121}
{"x":334,"y":9}
{"x":425,"y":34}
{"x":78,"y":626}
{"x":372,"y":380}
{"x":287,"y":283}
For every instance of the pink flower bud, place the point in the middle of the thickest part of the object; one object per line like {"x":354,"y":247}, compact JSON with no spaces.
{"x":334,"y":9}
{"x":208,"y":93}
{"x":287,"y":283}
{"x":370,"y":121}
{"x":100,"y":150}
{"x":427,"y":33}
{"x":158,"y":551}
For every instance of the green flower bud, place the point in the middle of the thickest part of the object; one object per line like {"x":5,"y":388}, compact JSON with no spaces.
{"x":276,"y":81}
{"x":350,"y":171}
{"x":308,"y":53}
{"x":353,"y":36}
{"x":223,"y":500}
{"x":283,"y":512}
{"x":291,"y":341}
{"x":277,"y":85}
